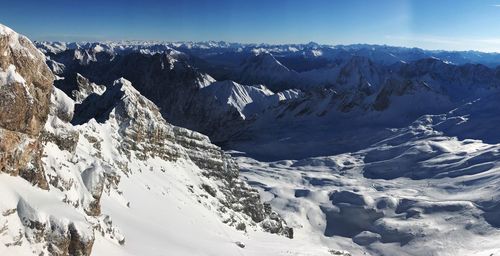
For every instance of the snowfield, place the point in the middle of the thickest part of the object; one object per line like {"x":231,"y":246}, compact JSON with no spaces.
{"x":397,"y":154}
{"x":418,"y":191}
{"x":164,"y":218}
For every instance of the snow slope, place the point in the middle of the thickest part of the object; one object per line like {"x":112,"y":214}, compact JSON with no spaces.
{"x":418,"y":190}
{"x":247,"y":100}
{"x":172,"y":222}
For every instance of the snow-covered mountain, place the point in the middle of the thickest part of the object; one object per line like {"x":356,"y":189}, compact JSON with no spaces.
{"x":264,"y":68}
{"x":108,"y":175}
{"x":376,"y":150}
{"x":353,"y":87}
{"x":377,"y":53}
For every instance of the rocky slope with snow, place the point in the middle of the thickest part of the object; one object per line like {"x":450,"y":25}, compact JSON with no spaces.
{"x":107,"y":174}
{"x":25,"y":85}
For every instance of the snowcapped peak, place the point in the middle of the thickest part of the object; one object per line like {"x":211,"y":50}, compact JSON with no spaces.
{"x":316,"y":53}
{"x":122,"y":82}
{"x":312,"y":45}
{"x":98,"y":48}
{"x":264,"y":89}
{"x":171,"y":57}
{"x":265,"y":69}
{"x":18,"y":43}
{"x":172,"y":52}
{"x":120,"y":99}
{"x":73,"y":45}
{"x":247,"y":100}
{"x":258,"y":51}
{"x":126,"y":87}
{"x":23,"y":67}
{"x":266,"y":61}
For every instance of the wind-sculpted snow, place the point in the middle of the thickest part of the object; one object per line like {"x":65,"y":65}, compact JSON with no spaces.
{"x":425,"y":188}
{"x":418,"y":190}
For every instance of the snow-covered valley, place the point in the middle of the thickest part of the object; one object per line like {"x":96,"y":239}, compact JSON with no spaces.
{"x":415,"y":192}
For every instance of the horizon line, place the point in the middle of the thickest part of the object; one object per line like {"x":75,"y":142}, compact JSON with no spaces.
{"x":247,"y":44}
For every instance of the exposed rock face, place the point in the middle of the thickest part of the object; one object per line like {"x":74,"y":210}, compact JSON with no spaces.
{"x":57,"y":128}
{"x":26,"y":99}
{"x":118,"y":132}
{"x":20,"y":156}
{"x":25,"y":86}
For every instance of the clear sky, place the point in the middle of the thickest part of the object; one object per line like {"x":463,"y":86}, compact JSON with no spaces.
{"x":430,"y":24}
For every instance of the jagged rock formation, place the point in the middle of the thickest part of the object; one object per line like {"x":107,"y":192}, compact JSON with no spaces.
{"x":25,"y":85}
{"x":165,"y":78}
{"x":344,"y":79}
{"x":263,"y":68}
{"x":147,"y":135}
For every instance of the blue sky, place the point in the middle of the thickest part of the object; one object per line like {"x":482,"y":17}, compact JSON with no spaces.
{"x":430,"y":24}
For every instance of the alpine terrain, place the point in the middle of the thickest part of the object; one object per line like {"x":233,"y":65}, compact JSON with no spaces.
{"x":216,"y":148}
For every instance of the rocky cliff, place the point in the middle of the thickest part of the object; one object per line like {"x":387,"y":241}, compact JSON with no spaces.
{"x":25,"y":86}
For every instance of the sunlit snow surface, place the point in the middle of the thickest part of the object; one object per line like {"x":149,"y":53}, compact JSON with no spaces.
{"x":165,"y":219}
{"x":418,"y":191}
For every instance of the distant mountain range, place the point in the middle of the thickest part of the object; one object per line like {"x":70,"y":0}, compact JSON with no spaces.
{"x":222,"y":50}
{"x":282,"y":83}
